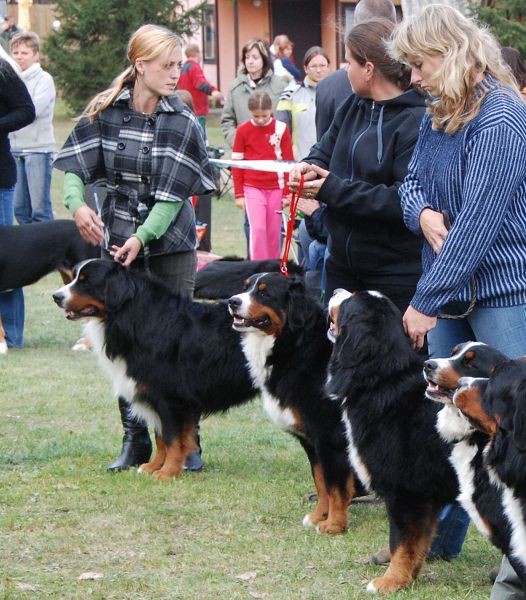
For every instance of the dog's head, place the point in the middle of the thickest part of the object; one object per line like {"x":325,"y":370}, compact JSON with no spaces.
{"x":467,"y":398}
{"x":471,"y":359}
{"x":99,"y":287}
{"x":505,"y":401}
{"x":335,"y":302}
{"x":370,"y":331}
{"x":268,"y":303}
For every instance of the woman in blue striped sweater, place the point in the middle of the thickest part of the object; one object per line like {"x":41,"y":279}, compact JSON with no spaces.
{"x":470,"y":161}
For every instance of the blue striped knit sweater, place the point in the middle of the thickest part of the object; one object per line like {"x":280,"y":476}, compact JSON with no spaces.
{"x":478,"y":175}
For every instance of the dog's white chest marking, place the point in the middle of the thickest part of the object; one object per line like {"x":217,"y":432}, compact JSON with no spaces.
{"x":354,"y":456}
{"x":514,"y":511}
{"x":453,"y":427}
{"x":115,"y":370}
{"x":257,"y":347}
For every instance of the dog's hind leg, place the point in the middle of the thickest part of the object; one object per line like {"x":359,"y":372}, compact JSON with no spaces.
{"x":158,"y":460}
{"x":409,"y":555}
{"x":176,"y":452}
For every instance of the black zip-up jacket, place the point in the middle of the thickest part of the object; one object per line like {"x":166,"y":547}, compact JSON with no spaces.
{"x":16,"y":111}
{"x":367,"y":149}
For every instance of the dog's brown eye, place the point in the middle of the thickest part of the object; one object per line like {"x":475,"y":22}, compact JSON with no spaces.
{"x":82,"y":277}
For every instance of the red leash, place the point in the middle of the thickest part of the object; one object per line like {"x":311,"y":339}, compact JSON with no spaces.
{"x":290,"y":227}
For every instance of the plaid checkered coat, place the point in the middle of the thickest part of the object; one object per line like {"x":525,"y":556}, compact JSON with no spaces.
{"x":142,"y":159}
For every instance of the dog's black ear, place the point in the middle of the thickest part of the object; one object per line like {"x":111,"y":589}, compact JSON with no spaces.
{"x":119,"y":288}
{"x":297,"y":312}
{"x":519,"y":417}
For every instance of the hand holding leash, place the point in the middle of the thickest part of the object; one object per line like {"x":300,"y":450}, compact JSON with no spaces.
{"x":90,"y":225}
{"x":127,"y":253}
{"x":416,"y":325}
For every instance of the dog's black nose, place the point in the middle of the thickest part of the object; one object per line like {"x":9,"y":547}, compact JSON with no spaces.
{"x":430,"y":365}
{"x":234,"y":302}
{"x":57,"y":297}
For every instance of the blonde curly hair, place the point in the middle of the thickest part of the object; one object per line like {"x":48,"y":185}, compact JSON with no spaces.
{"x":468,"y":49}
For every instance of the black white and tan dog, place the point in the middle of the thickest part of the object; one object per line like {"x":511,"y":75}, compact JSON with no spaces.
{"x":496,"y":409}
{"x":29,"y":252}
{"x":173,"y":359}
{"x":393,"y":444}
{"x":283,"y":335}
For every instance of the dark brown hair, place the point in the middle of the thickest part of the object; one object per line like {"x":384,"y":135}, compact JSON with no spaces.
{"x":315,"y":51}
{"x":259,"y":101}
{"x":263,"y":48}
{"x":514,"y":59}
{"x":365,"y":42}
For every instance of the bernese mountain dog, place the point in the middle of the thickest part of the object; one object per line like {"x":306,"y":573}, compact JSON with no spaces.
{"x":393,"y":443}
{"x":283,"y":336}
{"x":29,"y":252}
{"x":497,"y":408}
{"x":173,"y":359}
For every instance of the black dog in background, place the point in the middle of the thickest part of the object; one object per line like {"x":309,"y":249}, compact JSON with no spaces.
{"x":29,"y":252}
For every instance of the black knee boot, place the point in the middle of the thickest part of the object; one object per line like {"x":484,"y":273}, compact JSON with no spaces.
{"x":136,"y":443}
{"x":194,"y":462}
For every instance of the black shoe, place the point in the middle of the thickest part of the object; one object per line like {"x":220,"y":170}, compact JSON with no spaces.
{"x":194,"y":462}
{"x":136,"y":443}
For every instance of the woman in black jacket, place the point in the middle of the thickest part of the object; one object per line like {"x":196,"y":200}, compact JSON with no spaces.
{"x":357,"y":167}
{"x":16,"y":111}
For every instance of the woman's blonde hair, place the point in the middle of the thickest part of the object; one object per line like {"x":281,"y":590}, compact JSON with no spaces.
{"x":147,"y":43}
{"x":468,"y":49}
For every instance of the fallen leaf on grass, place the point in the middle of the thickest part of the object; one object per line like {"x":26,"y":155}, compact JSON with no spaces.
{"x":248,"y":576}
{"x":26,"y":587}
{"x":89,"y":575}
{"x":257,"y":594}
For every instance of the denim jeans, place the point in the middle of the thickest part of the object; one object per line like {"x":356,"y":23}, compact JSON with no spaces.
{"x":505,"y":330}
{"x":32,"y":202}
{"x":12,"y":302}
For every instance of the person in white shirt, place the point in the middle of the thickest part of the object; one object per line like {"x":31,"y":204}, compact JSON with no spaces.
{"x":34,"y":145}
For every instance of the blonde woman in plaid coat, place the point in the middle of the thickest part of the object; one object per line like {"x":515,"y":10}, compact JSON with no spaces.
{"x":145,"y":146}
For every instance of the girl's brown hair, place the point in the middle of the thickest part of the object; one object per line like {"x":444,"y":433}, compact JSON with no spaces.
{"x":259,"y":101}
{"x":366,"y":43}
{"x":147,"y":43}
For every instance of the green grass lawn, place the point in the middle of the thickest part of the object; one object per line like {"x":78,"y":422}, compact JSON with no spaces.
{"x":231,"y":532}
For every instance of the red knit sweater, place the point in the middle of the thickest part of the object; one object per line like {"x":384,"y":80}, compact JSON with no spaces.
{"x":194,"y":81}
{"x":261,"y":143}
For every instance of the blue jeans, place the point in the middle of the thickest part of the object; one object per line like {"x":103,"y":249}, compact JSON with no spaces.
{"x":32,"y":202}
{"x":12,"y":302}
{"x":505,"y":330}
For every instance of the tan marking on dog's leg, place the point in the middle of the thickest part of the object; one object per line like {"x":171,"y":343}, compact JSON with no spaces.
{"x":158,"y":460}
{"x":406,"y":562}
{"x":176,"y":454}
{"x":3,"y":343}
{"x":338,"y":509}
{"x":321,"y":511}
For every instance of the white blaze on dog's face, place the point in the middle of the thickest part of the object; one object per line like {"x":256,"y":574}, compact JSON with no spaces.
{"x":338,"y":296}
{"x":260,"y":308}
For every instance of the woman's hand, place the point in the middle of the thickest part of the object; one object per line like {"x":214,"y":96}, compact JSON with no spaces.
{"x":433,"y":228}
{"x":416,"y":325}
{"x":127,"y":253}
{"x":300,"y":169}
{"x":311,"y":188}
{"x":285,"y":201}
{"x":308,"y":206}
{"x":89,"y":224}
{"x":240,"y":202}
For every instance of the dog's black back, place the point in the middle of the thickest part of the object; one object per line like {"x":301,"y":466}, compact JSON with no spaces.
{"x":29,"y":252}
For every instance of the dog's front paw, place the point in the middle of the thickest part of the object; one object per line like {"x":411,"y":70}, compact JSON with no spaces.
{"x":331,"y":527}
{"x":312,"y":519}
{"x":146,"y":468}
{"x":3,"y":348}
{"x":386,"y":584}
{"x":166,"y":474}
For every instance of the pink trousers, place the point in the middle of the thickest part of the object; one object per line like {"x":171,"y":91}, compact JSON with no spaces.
{"x":265,"y":224}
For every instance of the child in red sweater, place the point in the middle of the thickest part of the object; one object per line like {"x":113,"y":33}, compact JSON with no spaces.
{"x":261,"y":193}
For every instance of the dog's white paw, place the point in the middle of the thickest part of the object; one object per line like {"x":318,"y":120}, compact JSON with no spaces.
{"x":307,"y":522}
{"x":371,"y":589}
{"x":3,"y":347}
